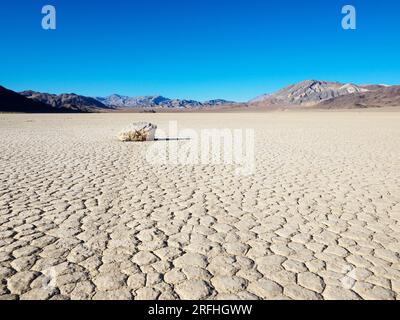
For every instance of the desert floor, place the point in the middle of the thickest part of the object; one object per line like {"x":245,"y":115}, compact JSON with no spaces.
{"x":84,"y":216}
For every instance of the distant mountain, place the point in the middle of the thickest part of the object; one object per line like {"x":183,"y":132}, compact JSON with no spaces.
{"x":330,"y":95}
{"x":181,"y":104}
{"x":11,"y":101}
{"x":71,"y":101}
{"x":377,"y":97}
{"x":119,"y":101}
{"x":218,"y":102}
{"x":308,"y":93}
{"x":125,"y":102}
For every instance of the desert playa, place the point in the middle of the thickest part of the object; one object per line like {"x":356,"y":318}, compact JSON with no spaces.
{"x":84,"y":216}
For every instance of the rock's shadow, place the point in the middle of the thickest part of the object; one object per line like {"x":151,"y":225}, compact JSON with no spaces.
{"x":172,"y":139}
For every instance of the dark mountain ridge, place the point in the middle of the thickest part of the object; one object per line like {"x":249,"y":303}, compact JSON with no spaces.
{"x":11,"y":101}
{"x":69,"y":101}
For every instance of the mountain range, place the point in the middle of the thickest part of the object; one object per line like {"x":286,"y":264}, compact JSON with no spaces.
{"x":375,"y":97}
{"x":305,"y":94}
{"x":11,"y":101}
{"x":125,"y":102}
{"x":330,"y":95}
{"x":71,"y":101}
{"x":309,"y":92}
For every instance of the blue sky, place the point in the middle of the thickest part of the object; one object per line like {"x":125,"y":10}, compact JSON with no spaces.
{"x":198,"y":49}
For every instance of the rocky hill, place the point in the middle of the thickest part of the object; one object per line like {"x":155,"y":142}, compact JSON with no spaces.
{"x":11,"y":101}
{"x":376,"y":97}
{"x":308,"y":93}
{"x":70,"y":101}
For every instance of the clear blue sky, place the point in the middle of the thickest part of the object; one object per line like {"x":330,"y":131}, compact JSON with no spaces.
{"x":199,"y":49}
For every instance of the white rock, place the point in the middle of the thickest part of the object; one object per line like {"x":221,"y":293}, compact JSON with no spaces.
{"x":139,"y":131}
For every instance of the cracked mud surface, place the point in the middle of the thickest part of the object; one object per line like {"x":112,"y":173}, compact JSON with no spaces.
{"x":83,"y":216}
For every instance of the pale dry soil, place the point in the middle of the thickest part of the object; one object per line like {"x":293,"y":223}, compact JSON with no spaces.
{"x":83,"y":216}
